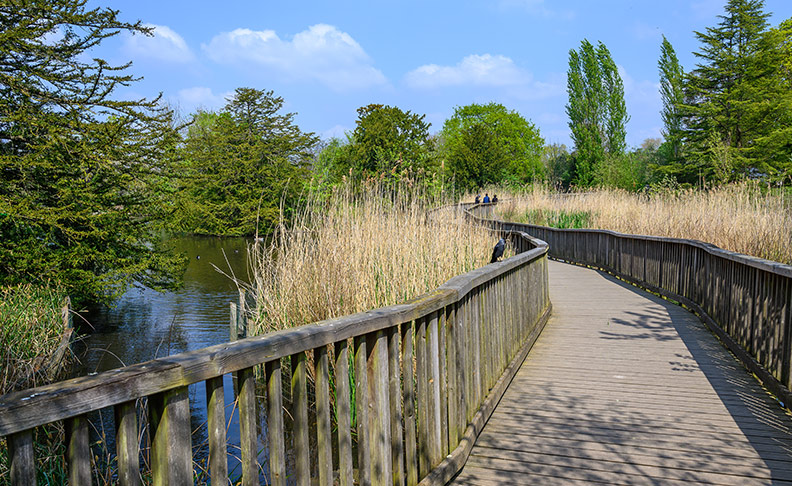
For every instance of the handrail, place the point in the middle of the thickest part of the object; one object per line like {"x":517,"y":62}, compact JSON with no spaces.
{"x":746,"y":301}
{"x":426,"y":372}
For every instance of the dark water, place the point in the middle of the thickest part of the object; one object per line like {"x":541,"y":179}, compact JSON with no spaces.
{"x":145,"y":324}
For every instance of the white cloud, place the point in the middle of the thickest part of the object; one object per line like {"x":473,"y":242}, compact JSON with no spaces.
{"x":474,"y":70}
{"x":201,"y":97}
{"x":164,"y":45}
{"x":321,"y":53}
{"x":538,"y":8}
{"x":337,"y":131}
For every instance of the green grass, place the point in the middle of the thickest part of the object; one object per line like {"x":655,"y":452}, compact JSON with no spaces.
{"x":557,"y":218}
{"x":31,"y":328}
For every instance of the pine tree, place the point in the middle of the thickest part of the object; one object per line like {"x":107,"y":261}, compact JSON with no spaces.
{"x":672,"y":95}
{"x":83,"y":174}
{"x":241,"y":165}
{"x":736,"y":100}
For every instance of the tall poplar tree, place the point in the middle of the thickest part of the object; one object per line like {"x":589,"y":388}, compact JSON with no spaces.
{"x":596,"y":109}
{"x":672,"y":95}
{"x":82,"y":170}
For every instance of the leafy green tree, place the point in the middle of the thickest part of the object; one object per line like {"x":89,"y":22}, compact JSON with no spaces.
{"x":388,"y":139}
{"x":672,"y":95}
{"x":737,"y":99}
{"x":242,"y":165}
{"x":520,"y":139}
{"x":558,"y":165}
{"x":596,"y":109}
{"x":477,"y":158}
{"x":83,"y":175}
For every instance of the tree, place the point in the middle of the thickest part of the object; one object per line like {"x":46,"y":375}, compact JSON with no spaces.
{"x":737,"y":99}
{"x":387,"y":139}
{"x":672,"y":95}
{"x":520,"y":139}
{"x":596,"y":109}
{"x":83,"y":175}
{"x":241,"y":165}
{"x":477,"y":158}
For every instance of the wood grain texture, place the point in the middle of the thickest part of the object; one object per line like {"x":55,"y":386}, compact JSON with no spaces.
{"x":127,"y":446}
{"x":78,"y":452}
{"x":663,"y":401}
{"x":216,"y":430}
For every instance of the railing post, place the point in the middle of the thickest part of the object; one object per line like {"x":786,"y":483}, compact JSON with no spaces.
{"x":395,"y":399}
{"x":216,"y":430}
{"x":299,"y":396}
{"x":379,"y":410}
{"x":171,"y":452}
{"x":78,"y":452}
{"x":127,"y":446}
{"x":343,"y":413}
{"x":23,"y":462}
{"x":324,"y":439}
{"x":277,"y":446}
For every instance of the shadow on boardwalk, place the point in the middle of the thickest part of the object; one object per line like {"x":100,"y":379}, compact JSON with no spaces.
{"x":625,"y":388}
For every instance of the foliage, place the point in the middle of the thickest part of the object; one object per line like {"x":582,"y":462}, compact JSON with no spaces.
{"x":241,"y":164}
{"x":557,"y":218}
{"x":511,"y":151}
{"x":737,"y":100}
{"x":672,"y":95}
{"x":31,"y":326}
{"x":387,"y":138}
{"x":81,"y":173}
{"x":596,"y":109}
{"x":558,"y":165}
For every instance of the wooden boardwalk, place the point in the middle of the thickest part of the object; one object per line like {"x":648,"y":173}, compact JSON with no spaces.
{"x":624,"y":388}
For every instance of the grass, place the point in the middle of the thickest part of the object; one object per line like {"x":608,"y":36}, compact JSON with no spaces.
{"x":744,"y":218}
{"x":31,"y":330}
{"x":361,"y":250}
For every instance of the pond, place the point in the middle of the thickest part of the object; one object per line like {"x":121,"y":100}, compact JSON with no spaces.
{"x":145,"y":324}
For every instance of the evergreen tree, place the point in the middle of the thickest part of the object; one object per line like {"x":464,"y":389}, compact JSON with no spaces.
{"x":83,"y":174}
{"x":672,"y":95}
{"x":736,"y":99}
{"x":596,"y":109}
{"x":241,"y":165}
{"x":387,"y":139}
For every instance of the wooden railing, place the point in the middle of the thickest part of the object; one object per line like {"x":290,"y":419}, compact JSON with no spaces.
{"x":427,"y":374}
{"x":746,"y":301}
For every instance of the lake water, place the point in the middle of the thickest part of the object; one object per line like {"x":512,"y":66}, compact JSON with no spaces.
{"x":145,"y":324}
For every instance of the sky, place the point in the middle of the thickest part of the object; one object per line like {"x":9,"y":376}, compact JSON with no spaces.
{"x":327,"y":59}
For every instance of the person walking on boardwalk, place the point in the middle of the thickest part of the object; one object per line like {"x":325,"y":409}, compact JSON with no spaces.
{"x":494,"y":198}
{"x":486,"y":198}
{"x":478,"y":199}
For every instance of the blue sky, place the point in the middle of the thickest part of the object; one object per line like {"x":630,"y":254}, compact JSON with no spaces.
{"x":326,"y":59}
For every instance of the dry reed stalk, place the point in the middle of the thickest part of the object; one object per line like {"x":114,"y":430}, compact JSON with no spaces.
{"x":359,"y":252}
{"x":736,"y":217}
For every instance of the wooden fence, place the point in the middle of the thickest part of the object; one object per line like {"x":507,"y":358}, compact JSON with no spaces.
{"x":744,"y":300}
{"x":427,"y":374}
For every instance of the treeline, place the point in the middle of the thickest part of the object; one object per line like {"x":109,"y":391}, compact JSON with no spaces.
{"x":728,"y":118}
{"x":90,"y":183}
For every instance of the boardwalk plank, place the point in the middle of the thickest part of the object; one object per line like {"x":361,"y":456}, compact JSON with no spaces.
{"x":626,"y":388}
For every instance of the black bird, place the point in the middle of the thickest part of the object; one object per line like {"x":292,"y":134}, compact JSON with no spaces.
{"x":497,"y":252}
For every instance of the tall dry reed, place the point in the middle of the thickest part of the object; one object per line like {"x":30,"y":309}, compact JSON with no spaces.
{"x":737,"y":217}
{"x":357,"y":252}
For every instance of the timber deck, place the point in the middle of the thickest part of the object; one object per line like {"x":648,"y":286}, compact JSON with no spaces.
{"x":625,"y":388}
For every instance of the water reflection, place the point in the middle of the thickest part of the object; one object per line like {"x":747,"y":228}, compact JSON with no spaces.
{"x":145,"y":324}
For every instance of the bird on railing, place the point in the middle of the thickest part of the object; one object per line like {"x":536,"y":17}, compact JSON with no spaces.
{"x":497,"y":252}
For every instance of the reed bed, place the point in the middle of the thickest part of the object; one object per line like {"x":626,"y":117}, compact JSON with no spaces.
{"x":361,"y":250}
{"x":739,"y":217}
